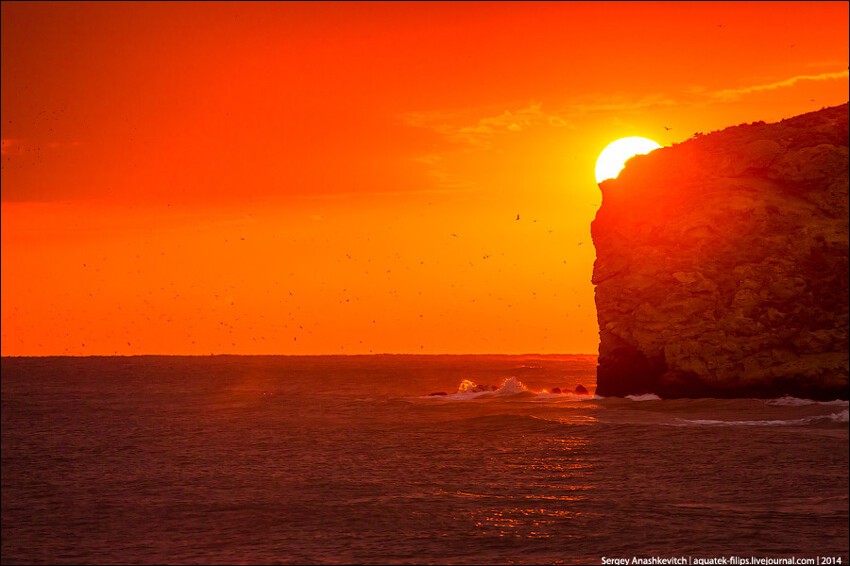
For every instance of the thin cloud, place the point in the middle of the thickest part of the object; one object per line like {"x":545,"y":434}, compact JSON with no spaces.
{"x":479,"y":132}
{"x":735,"y":93}
{"x":478,"y":129}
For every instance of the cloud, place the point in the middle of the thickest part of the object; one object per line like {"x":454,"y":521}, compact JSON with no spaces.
{"x":619,"y":104}
{"x":465,"y":128}
{"x":477,"y":128}
{"x":735,"y":93}
{"x":474,"y":129}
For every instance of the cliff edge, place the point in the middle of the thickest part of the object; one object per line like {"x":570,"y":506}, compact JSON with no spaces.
{"x":722,"y":265}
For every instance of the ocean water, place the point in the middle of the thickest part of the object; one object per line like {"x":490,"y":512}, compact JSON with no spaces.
{"x":348,"y":460}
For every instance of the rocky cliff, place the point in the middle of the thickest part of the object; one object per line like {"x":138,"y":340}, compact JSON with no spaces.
{"x":722,"y":263}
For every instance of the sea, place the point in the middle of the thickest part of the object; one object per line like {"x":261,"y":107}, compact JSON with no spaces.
{"x":352,"y":460}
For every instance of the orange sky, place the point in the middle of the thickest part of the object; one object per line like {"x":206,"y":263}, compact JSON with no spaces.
{"x":318,"y":178}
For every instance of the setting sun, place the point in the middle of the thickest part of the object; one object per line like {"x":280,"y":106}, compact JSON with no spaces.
{"x":613,"y":158}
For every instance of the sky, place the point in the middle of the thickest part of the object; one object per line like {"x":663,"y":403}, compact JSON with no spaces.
{"x":353,"y":178}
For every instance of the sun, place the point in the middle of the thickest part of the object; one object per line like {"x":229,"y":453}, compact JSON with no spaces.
{"x":613,"y":158}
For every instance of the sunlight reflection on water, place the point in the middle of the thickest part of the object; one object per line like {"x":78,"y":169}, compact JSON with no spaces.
{"x":177,"y":461}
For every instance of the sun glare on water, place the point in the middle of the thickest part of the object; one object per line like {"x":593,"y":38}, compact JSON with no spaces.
{"x":613,"y":158}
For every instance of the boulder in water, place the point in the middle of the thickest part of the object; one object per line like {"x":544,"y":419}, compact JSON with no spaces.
{"x":437,"y":394}
{"x":555,"y":390}
{"x":581,"y":390}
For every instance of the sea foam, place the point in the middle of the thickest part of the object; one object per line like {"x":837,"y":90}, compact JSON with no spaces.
{"x":644,"y":397}
{"x":789,"y":401}
{"x":841,"y":417}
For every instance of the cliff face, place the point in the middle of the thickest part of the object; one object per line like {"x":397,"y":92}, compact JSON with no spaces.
{"x":722,"y":262}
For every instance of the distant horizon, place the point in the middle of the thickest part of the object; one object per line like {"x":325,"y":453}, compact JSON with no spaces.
{"x":526,"y":355}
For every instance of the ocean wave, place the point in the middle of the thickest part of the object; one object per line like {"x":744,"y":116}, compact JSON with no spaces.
{"x":789,"y":401}
{"x":644,"y":397}
{"x":468,"y":389}
{"x":515,"y":423}
{"x":841,"y":417}
{"x":546,"y":397}
{"x":510,"y":386}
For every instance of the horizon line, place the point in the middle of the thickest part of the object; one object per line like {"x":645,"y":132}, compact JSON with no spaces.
{"x":285,"y":355}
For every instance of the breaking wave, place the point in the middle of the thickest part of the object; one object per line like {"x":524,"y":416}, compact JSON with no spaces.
{"x":469,"y":389}
{"x":510,"y":386}
{"x":788,"y":401}
{"x":841,"y":417}
{"x":644,"y":397}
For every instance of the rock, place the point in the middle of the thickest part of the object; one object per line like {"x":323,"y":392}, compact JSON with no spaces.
{"x":722,"y":265}
{"x":555,"y":390}
{"x":581,"y":390}
{"x":437,"y":393}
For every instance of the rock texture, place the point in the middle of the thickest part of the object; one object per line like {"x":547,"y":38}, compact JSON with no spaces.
{"x":722,"y":265}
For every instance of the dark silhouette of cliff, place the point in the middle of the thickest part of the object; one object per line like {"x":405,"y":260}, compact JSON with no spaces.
{"x":722,"y":265}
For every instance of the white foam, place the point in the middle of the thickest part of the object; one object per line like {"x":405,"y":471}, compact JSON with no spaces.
{"x":468,"y":389}
{"x":466,"y":386}
{"x":511,"y":386}
{"x":788,"y":401}
{"x":841,"y":417}
{"x":465,"y":396}
{"x":644,"y":397}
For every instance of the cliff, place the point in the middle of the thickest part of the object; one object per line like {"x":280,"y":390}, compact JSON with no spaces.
{"x":722,"y":263}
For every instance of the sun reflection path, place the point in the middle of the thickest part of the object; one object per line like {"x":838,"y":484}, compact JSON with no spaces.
{"x":546,"y":497}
